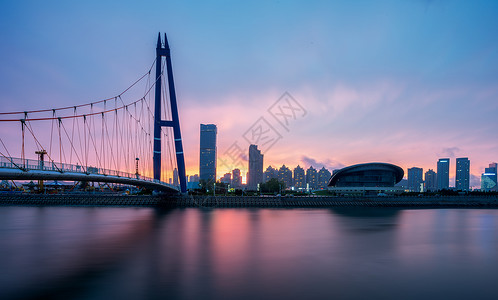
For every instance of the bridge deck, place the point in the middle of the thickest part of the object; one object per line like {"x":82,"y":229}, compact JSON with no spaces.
{"x":17,"y":169}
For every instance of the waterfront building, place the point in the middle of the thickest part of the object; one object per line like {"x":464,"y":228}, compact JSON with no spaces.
{"x":227,"y":178}
{"x":443,"y":174}
{"x":175,"y":177}
{"x":255,"y":174}
{"x":236,"y":179}
{"x":367,"y":179}
{"x":415,"y":179}
{"x":299,"y":178}
{"x":462,"y":178}
{"x":194,"y":178}
{"x":489,"y":178}
{"x":430,"y":183}
{"x":323,"y":178}
{"x":285,"y":175}
{"x":207,"y":159}
{"x":270,"y":173}
{"x":311,"y":178}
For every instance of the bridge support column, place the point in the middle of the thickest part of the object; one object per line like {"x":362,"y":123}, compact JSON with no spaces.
{"x":164,"y":50}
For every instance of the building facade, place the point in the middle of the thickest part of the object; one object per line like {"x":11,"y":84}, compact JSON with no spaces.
{"x":270,"y":173}
{"x":236,"y":179}
{"x":207,"y":159}
{"x":255,"y":174}
{"x":227,"y":178}
{"x":285,"y":175}
{"x":489,"y":178}
{"x":415,"y":179}
{"x":176,"y":181}
{"x":311,"y":178}
{"x":323,"y":178}
{"x":462,"y":178}
{"x":367,"y":179}
{"x":299,"y":178}
{"x":430,"y":183}
{"x":443,"y":174}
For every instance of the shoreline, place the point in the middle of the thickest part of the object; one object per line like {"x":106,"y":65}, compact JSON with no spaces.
{"x":177,"y":201}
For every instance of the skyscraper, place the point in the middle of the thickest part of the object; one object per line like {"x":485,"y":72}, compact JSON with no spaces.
{"x":299,"y":178}
{"x":323,"y":178}
{"x":236,"y":179}
{"x":207,"y":159}
{"x":255,"y":175}
{"x":175,"y":177}
{"x":311,"y":178}
{"x":430,"y":183}
{"x":443,"y":173}
{"x":462,"y":178}
{"x":415,"y":179}
{"x":489,"y":178}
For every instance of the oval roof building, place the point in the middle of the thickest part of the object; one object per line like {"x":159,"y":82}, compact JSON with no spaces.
{"x":373,"y":175}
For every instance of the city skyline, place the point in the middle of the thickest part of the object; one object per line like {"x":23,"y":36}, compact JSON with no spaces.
{"x":405,"y":63}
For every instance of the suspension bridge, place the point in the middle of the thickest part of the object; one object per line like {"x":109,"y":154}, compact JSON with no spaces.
{"x":132,"y":138}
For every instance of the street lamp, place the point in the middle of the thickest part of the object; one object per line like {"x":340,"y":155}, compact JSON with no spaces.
{"x":136,"y":169}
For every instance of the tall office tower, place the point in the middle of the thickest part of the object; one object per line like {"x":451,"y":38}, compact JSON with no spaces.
{"x":443,"y":173}
{"x":323,"y":178}
{"x":430,"y":181}
{"x":489,"y":178}
{"x":175,"y":177}
{"x":270,"y":173}
{"x":299,"y":178}
{"x":462,"y":178}
{"x":415,"y":179}
{"x":255,"y":175}
{"x":494,"y":168}
{"x":285,"y":175}
{"x":311,"y":178}
{"x":207,"y":160}
{"x":236,"y":179}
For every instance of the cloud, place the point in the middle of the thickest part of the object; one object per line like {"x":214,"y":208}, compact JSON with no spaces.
{"x":328,"y":163}
{"x":450,"y":152}
{"x":475,"y":181}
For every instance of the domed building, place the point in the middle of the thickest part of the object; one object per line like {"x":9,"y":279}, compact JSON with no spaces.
{"x":367,"y":179}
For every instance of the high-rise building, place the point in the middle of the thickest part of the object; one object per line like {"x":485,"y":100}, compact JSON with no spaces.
{"x":236,"y":179}
{"x":175,"y":177}
{"x":443,"y":173}
{"x":207,"y":159}
{"x":323,"y":178}
{"x":311,"y":178}
{"x":270,"y":173}
{"x":194,"y":178}
{"x":415,"y":179}
{"x":462,"y":178}
{"x":285,"y":175}
{"x":430,"y":183}
{"x":299,"y":178}
{"x":489,"y":178}
{"x":255,"y":175}
{"x":227,"y":178}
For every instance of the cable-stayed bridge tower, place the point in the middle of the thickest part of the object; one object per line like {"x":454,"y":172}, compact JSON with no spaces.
{"x":163,"y":50}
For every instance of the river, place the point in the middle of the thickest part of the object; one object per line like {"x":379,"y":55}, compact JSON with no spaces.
{"x":343,"y":253}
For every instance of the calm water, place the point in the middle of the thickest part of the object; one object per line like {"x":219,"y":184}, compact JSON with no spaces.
{"x":125,"y":253}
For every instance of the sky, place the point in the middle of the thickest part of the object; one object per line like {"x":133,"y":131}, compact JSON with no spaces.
{"x":405,"y":82}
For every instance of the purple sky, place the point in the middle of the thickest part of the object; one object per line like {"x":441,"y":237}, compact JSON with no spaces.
{"x":405,"y":82}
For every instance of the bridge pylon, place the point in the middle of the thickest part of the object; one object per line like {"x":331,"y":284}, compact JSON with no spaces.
{"x":163,"y":50}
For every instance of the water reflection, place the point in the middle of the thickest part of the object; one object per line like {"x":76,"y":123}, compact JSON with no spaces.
{"x":352,"y":253}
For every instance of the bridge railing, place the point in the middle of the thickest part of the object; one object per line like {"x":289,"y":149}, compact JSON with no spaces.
{"x":33,"y":164}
